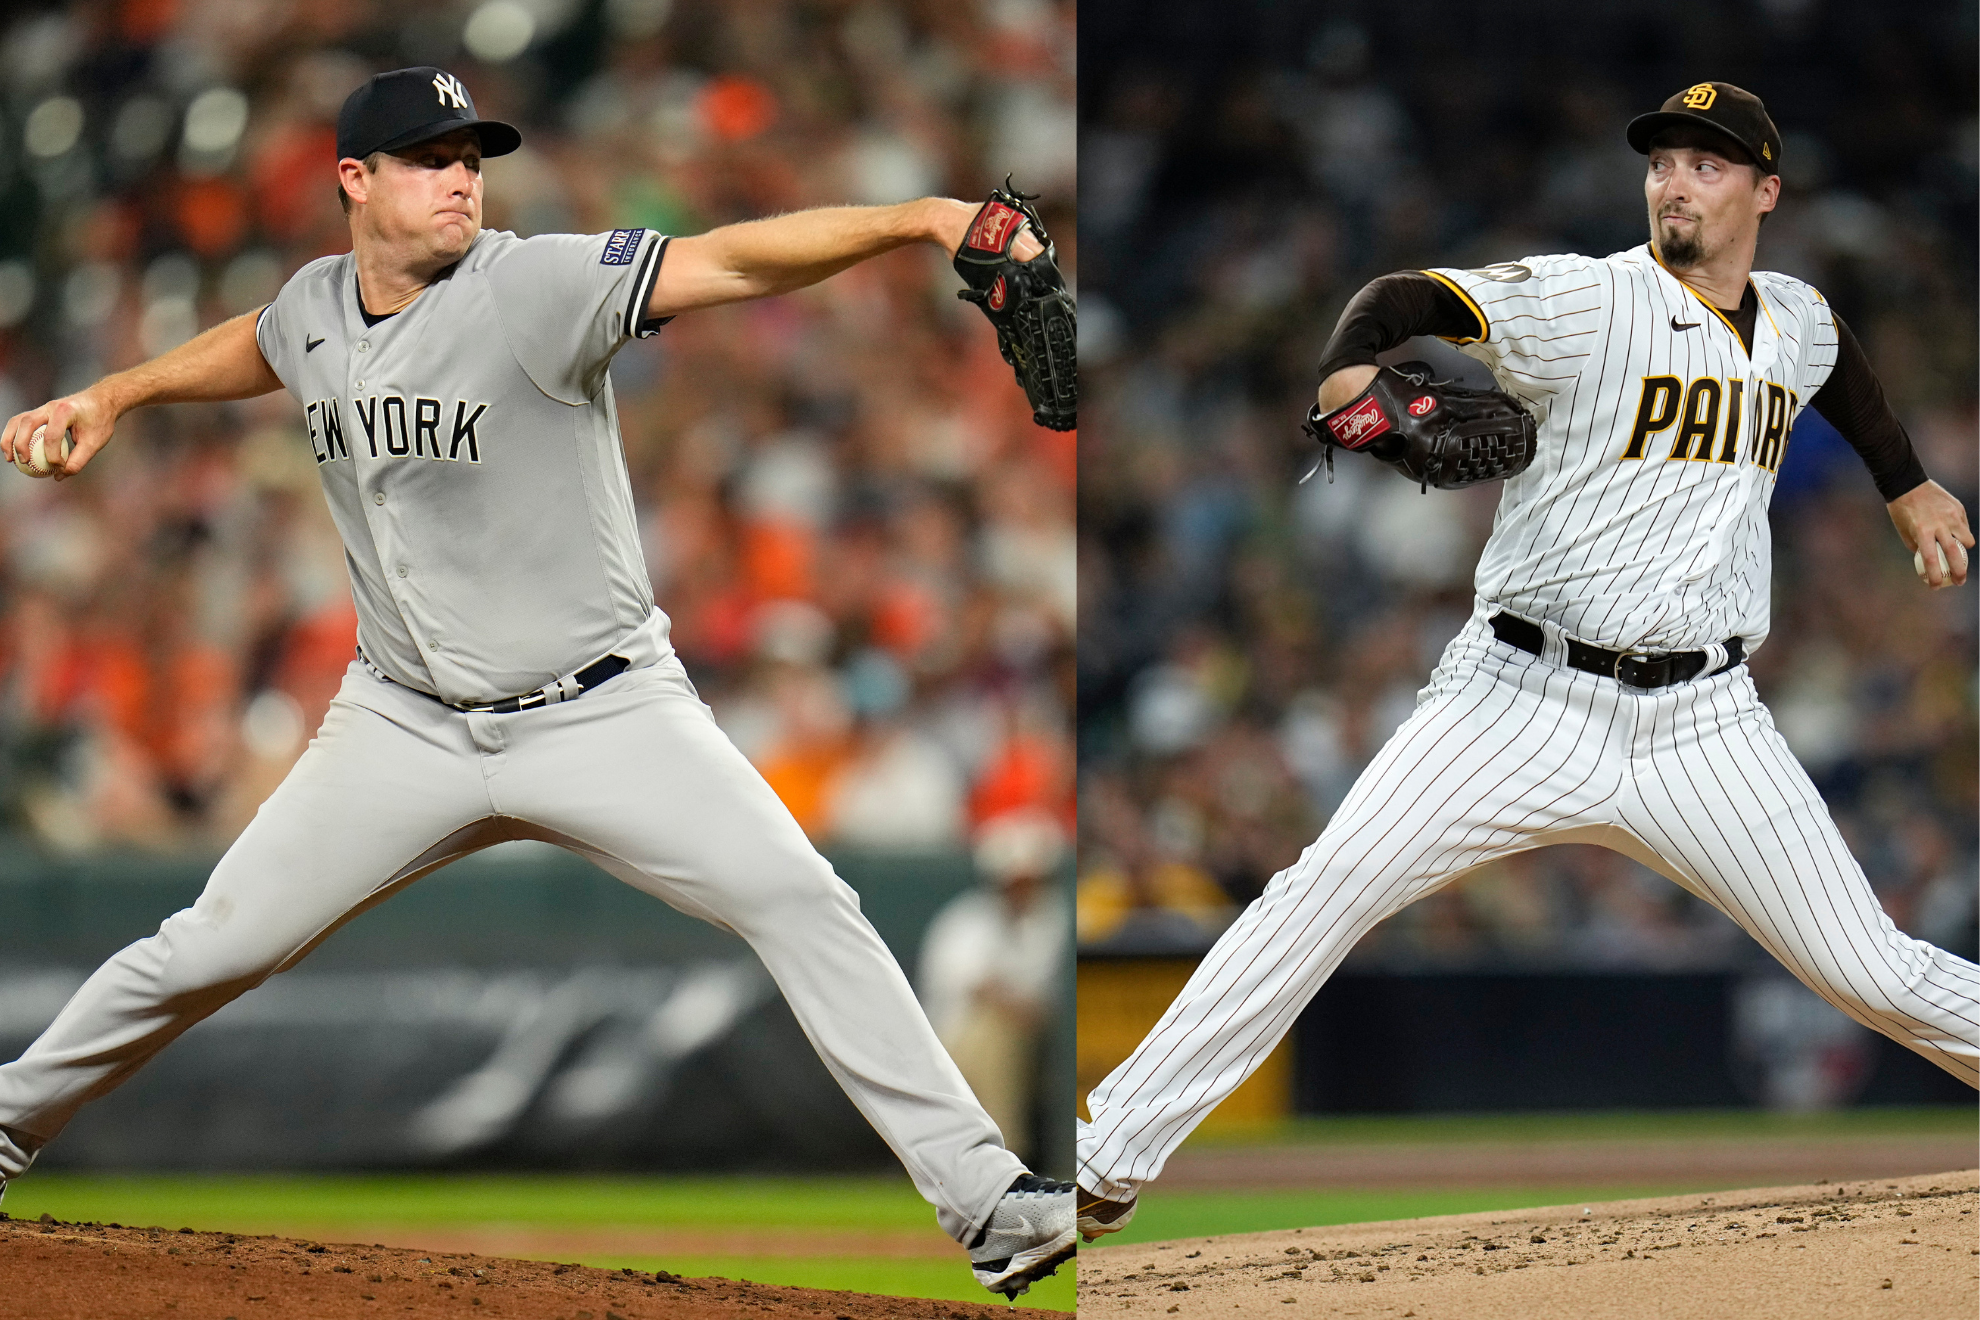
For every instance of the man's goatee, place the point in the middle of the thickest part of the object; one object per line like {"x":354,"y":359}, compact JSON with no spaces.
{"x":1682,"y":250}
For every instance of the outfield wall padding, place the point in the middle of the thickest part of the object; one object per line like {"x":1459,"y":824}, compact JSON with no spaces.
{"x":1496,"y":1039}
{"x":1451,"y":1042}
{"x":517,"y":904}
{"x":517,"y":1009}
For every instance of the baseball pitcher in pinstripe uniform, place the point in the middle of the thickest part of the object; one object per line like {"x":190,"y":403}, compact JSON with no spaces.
{"x":1598,"y":693}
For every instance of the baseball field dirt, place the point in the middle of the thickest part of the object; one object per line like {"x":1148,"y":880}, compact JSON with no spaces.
{"x":1890,"y":1248}
{"x":1703,"y":1160}
{"x":51,"y":1270}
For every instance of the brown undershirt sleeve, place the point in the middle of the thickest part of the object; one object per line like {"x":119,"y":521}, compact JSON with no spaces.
{"x":1853,"y":402}
{"x":1391,"y":309}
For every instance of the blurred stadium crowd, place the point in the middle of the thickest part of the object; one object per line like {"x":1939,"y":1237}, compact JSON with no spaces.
{"x":865,"y":545}
{"x":1246,"y":643}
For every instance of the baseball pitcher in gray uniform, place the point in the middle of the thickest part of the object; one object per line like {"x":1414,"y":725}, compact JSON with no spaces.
{"x":514,"y":679}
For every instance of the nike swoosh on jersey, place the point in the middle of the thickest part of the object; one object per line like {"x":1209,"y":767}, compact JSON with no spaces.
{"x":1683,"y":325}
{"x":309,"y":345}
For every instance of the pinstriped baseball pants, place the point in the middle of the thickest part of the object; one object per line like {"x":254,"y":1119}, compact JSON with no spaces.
{"x":1505,"y":752}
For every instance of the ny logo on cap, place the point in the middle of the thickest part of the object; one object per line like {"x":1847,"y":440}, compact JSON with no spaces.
{"x":1701,"y":96}
{"x":450,"y":89}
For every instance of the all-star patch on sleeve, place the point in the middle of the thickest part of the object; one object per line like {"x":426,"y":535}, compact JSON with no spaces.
{"x":568,"y":302}
{"x":621,"y":247}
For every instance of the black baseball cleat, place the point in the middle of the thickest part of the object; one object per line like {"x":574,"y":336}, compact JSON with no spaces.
{"x":1098,"y":1215}
{"x":1030,"y":1234}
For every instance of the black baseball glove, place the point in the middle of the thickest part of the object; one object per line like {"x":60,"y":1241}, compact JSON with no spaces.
{"x":1028,"y":304}
{"x":1435,"y":432}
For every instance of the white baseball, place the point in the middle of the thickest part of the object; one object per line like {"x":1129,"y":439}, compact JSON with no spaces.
{"x":33,"y":457}
{"x":1945,"y":569}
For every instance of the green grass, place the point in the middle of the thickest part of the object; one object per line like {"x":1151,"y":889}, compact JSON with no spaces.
{"x":1165,"y":1215}
{"x":1602,"y":1125}
{"x":316,"y":1204}
{"x":240,"y":1202}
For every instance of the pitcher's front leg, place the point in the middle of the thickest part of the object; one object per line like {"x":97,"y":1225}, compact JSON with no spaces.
{"x":1507,"y":753}
{"x":638,"y":773}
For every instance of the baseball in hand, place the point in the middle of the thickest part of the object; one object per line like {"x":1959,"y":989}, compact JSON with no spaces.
{"x":34,"y":457}
{"x":1945,"y":569}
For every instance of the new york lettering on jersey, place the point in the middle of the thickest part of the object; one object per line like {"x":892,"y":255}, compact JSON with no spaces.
{"x":482,"y":408}
{"x":324,"y":420}
{"x":1642,"y":522}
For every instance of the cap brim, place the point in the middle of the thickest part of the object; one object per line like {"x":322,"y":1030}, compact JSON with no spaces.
{"x":1644,"y":128}
{"x":497,"y":138}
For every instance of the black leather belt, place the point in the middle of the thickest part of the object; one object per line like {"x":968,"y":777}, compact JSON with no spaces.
{"x":1636,"y":668}
{"x":562,"y":690}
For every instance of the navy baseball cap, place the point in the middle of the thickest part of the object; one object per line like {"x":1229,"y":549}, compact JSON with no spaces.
{"x":397,"y":109}
{"x":1725,"y":109}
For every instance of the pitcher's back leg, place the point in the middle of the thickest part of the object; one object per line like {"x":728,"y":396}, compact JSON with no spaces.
{"x":373,"y":801}
{"x":1721,"y":800}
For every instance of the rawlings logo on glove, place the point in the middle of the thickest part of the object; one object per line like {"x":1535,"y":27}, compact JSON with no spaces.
{"x":1027,"y":302}
{"x":992,"y":230}
{"x":1357,"y":424}
{"x":1436,"y":433}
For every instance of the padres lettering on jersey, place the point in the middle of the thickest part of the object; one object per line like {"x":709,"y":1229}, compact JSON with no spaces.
{"x":469,"y":451}
{"x":1659,"y":408}
{"x":1642,"y":522}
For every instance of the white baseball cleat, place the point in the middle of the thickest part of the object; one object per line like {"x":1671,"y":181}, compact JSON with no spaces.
{"x":1030,"y":1234}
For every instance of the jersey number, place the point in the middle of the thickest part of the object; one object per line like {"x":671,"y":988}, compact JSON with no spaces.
{"x":1694,"y":410}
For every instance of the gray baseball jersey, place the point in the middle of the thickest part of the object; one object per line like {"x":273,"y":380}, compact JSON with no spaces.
{"x":470,"y":453}
{"x":469,"y":450}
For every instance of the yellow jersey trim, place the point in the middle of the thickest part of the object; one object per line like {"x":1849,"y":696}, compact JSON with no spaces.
{"x":1713,"y":307}
{"x":1484,"y":323}
{"x":1761,"y":299}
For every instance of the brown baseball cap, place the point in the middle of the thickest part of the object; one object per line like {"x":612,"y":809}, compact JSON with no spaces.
{"x":1725,"y":109}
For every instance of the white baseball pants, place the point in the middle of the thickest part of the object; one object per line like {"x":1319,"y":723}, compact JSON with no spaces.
{"x":1505,"y":752}
{"x":636,"y":776}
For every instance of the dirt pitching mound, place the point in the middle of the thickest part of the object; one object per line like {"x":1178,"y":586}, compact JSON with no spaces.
{"x":1893,"y":1249}
{"x":55,"y":1271}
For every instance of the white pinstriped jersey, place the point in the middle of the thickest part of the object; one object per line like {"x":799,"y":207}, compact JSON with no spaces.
{"x":1642,"y":523}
